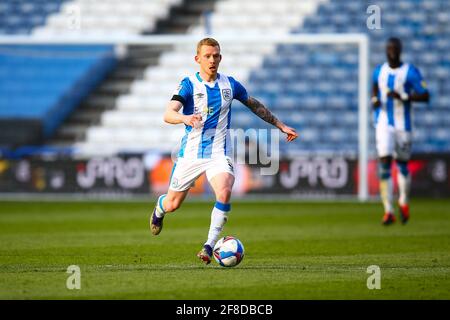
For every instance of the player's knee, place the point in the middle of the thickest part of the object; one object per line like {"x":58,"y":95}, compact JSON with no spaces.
{"x":384,"y":170}
{"x":403,"y":167}
{"x":386,"y":160}
{"x":224,"y":195}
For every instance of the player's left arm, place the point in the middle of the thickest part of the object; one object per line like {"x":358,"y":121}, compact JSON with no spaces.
{"x":264,"y":113}
{"x":240,"y":93}
{"x":420,"y":97}
{"x":420,"y":92}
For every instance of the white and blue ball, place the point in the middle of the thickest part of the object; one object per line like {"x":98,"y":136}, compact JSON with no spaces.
{"x":228,"y":251}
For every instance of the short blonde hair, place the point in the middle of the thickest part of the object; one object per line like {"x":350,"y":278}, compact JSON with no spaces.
{"x":207,"y":42}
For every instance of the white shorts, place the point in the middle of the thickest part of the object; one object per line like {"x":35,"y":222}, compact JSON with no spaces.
{"x":393,"y":142}
{"x":186,"y":171}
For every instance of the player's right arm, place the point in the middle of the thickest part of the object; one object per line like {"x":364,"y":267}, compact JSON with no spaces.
{"x":376,"y":103}
{"x":173,"y":116}
{"x":179,"y":100}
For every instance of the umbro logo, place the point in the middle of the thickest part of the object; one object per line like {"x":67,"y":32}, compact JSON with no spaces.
{"x":199,"y":95}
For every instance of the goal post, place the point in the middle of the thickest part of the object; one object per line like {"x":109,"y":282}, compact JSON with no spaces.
{"x":360,"y":40}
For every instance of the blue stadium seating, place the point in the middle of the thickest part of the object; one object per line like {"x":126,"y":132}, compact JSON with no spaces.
{"x":319,"y":82}
{"x":21,"y":16}
{"x":54,"y":78}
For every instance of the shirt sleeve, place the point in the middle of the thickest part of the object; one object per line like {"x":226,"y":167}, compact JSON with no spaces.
{"x":183,"y":91}
{"x":414,"y":78}
{"x":239,"y":92}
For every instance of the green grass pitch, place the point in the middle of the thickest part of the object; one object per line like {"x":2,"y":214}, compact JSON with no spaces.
{"x":294,"y":250}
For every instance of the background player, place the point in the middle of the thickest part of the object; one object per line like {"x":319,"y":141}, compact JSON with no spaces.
{"x":395,"y":86}
{"x":206,"y":101}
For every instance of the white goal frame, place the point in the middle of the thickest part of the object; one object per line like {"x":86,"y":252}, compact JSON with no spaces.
{"x":361,"y":40}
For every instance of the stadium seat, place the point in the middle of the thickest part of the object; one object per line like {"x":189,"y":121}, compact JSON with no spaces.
{"x":106,"y":17}
{"x":21,"y":17}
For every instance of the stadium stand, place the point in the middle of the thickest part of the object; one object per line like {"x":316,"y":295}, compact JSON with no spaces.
{"x":323,"y":94}
{"x":421,"y":25}
{"x":129,"y":69}
{"x":106,"y":17}
{"x":135,"y":123}
{"x":42,"y":85}
{"x":23,"y":16}
{"x":129,"y":106}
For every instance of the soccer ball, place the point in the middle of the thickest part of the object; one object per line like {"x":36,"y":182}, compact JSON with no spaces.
{"x":228,"y":251}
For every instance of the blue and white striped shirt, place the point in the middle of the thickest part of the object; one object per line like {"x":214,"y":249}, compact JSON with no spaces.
{"x":213,"y":102}
{"x":404,"y":79}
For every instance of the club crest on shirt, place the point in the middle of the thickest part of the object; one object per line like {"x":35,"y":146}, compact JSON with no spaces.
{"x":226,"y":93}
